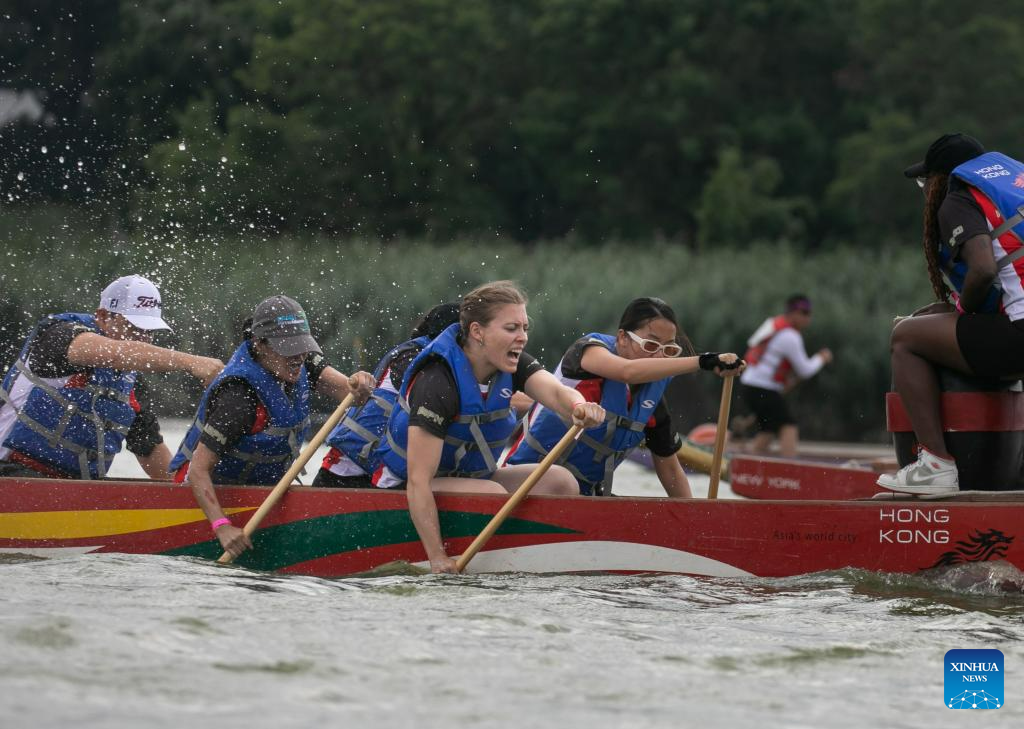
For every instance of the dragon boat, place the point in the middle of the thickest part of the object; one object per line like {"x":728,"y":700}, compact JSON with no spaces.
{"x":335,"y":532}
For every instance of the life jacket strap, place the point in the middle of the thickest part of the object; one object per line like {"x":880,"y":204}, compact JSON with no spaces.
{"x":372,"y":440}
{"x":84,"y":454}
{"x":488,"y":417}
{"x":70,"y":408}
{"x":384,"y":404}
{"x":1007,"y":224}
{"x":399,"y":451}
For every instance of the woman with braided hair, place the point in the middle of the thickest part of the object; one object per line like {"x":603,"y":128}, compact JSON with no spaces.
{"x":972,"y":236}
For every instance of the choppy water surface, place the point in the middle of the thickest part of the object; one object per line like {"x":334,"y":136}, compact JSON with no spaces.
{"x":128,"y":641}
{"x":139,"y":641}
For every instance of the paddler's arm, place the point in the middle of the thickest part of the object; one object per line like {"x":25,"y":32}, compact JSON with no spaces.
{"x":424,"y":456}
{"x":231,"y":538}
{"x":545,"y":388}
{"x":672,"y":476}
{"x":603,"y":363}
{"x":337,"y":386}
{"x":521,"y":403}
{"x":156,"y":462}
{"x":144,"y":440}
{"x":89,"y":349}
{"x":981,"y":272}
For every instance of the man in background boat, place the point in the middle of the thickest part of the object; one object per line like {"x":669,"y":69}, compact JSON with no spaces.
{"x":76,"y":393}
{"x":776,"y":361}
{"x":253,"y":417}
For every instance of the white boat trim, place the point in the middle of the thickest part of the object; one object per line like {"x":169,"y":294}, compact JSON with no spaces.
{"x":598,"y":556}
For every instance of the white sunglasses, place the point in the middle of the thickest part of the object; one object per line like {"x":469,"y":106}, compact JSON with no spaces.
{"x":652,"y":347}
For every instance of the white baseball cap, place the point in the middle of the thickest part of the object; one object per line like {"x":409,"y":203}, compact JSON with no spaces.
{"x":136,"y":299}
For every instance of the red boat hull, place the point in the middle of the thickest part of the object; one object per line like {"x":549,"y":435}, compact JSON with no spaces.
{"x":333,"y":532}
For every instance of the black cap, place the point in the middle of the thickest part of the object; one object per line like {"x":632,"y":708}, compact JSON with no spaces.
{"x":282,"y":322}
{"x":945,"y":154}
{"x":798,"y":302}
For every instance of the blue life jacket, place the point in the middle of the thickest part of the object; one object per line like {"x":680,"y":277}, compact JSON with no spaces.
{"x":594,"y":457}
{"x":359,"y":433}
{"x":263,"y":457}
{"x":475,"y":439}
{"x":1001,"y":180}
{"x":76,"y":430}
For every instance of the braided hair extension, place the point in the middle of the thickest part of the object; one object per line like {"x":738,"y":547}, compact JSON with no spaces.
{"x":934,"y":195}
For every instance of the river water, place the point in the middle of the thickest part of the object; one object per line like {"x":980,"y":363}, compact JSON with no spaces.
{"x":138,"y":641}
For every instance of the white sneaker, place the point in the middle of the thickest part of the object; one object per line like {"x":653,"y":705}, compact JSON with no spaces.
{"x":927,"y":475}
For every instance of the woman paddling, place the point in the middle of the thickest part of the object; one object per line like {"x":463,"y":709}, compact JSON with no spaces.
{"x":253,"y":417}
{"x":455,"y":413}
{"x":78,"y":390}
{"x":626,"y":373}
{"x":354,"y":455}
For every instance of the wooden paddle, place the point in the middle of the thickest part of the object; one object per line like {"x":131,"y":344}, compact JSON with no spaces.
{"x":698,"y":457}
{"x":572,"y":434}
{"x":286,"y":480}
{"x":720,"y":433}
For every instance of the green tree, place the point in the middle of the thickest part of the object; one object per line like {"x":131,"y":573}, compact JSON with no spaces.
{"x":739,"y":204}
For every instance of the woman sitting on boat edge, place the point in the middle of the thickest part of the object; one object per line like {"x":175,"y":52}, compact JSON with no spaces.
{"x":972,"y":233}
{"x":455,"y":413}
{"x":254,"y":416}
{"x":627,"y":374}
{"x":354,"y":454}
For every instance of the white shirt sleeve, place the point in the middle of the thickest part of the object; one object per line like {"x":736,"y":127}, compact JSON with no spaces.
{"x":790,"y":344}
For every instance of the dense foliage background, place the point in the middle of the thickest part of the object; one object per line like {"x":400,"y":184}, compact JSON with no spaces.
{"x":363,"y":296}
{"x":374,"y":157}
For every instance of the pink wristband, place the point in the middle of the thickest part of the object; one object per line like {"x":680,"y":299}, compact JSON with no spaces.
{"x":215,"y":525}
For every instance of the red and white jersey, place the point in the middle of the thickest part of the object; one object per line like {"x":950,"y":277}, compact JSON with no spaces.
{"x":783,"y":351}
{"x":1011,"y":277}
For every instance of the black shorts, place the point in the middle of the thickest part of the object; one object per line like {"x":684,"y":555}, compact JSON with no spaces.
{"x":769,"y":407}
{"x":992,"y":344}
{"x":325,"y":478}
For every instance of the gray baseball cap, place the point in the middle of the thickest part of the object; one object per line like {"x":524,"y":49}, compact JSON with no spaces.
{"x":282,"y":322}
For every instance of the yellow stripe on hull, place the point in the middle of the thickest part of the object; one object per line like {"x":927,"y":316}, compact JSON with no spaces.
{"x":98,"y":523}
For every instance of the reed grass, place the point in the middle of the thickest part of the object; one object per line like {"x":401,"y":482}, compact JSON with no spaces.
{"x":363,"y":295}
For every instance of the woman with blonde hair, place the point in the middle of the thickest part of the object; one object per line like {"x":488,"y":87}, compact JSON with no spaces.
{"x":455,"y":413}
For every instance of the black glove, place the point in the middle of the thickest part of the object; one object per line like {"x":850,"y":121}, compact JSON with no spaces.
{"x":711,"y":360}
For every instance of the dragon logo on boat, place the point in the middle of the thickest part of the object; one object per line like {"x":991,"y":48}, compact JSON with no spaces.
{"x":979,"y":547}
